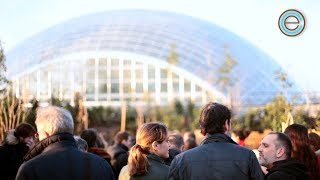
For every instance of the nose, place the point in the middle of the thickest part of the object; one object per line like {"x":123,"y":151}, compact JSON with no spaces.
{"x":260,"y":149}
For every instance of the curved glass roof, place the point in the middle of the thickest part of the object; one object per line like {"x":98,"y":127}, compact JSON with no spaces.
{"x":200,"y":46}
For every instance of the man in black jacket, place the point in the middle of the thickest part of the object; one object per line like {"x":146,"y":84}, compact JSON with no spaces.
{"x":274,"y":153}
{"x":218,"y":156}
{"x":57,"y":156}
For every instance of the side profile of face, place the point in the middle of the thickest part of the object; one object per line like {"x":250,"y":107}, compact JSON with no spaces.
{"x":268,"y":151}
{"x":161,"y":149}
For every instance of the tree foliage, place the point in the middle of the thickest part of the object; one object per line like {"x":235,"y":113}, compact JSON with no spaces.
{"x":3,"y":79}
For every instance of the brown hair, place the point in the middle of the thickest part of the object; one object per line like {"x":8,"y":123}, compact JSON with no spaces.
{"x":146,"y":135}
{"x":213,"y":117}
{"x":314,"y":141}
{"x":24,"y":130}
{"x":301,"y":147}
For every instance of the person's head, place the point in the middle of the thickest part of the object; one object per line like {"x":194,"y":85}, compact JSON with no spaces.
{"x":188,"y":135}
{"x":274,"y":147}
{"x":314,"y":141}
{"x":150,"y":138}
{"x":301,"y":147}
{"x":215,"y":118}
{"x":22,"y":133}
{"x":176,"y":141}
{"x":90,"y":136}
{"x":53,"y":120}
{"x":123,"y":137}
{"x":189,"y":144}
{"x":82,"y":144}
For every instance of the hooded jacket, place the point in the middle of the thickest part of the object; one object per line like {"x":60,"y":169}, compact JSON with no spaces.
{"x":119,"y":157}
{"x":11,"y":156}
{"x":217,"y":157}
{"x":288,"y":170}
{"x":58,"y":157}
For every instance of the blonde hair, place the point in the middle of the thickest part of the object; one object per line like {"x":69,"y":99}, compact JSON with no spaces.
{"x":146,"y":135}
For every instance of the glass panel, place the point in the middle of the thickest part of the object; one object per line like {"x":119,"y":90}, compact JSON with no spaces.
{"x":102,"y":74}
{"x":90,"y":88}
{"x":139,"y":88}
{"x":163,"y":74}
{"x":103,"y":62}
{"x":103,"y":88}
{"x":164,"y":87}
{"x":91,"y":62}
{"x":115,"y":62}
{"x":151,"y":87}
{"x":151,"y":72}
{"x":175,"y":87}
{"x":115,"y":88}
{"x":127,"y":87}
{"x":187,"y":86}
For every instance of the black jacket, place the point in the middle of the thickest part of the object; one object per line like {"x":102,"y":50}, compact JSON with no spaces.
{"x":288,"y":170}
{"x":119,"y":157}
{"x":58,"y":157}
{"x":11,"y":157}
{"x":218,"y":157}
{"x":173,"y":152}
{"x":157,"y":170}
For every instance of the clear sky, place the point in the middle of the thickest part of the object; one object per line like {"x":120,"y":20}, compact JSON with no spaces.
{"x":253,"y":20}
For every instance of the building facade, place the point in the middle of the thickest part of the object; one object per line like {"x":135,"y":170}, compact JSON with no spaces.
{"x":141,"y":57}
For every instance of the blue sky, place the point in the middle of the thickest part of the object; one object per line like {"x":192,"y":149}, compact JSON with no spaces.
{"x":253,"y":20}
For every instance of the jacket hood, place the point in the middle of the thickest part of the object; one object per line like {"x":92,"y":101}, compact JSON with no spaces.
{"x":117,"y":149}
{"x":11,"y":139}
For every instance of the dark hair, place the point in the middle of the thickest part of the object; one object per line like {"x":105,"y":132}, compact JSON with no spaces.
{"x":213,"y":117}
{"x":314,"y":141}
{"x":91,"y":136}
{"x":176,"y":140}
{"x":301,"y":147}
{"x":284,"y":141}
{"x":120,"y":136}
{"x":24,"y":130}
{"x":189,"y":144}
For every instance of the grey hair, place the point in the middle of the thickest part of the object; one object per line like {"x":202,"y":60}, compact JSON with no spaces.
{"x":54,"y":120}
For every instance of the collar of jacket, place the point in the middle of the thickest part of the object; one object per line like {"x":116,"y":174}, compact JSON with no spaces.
{"x":38,"y":148}
{"x":218,"y":137}
{"x":155,"y":157}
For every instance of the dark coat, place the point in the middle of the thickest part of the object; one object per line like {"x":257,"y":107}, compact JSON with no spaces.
{"x":218,"y":157}
{"x":288,"y":170}
{"x":119,"y":157}
{"x":11,"y":157}
{"x":58,"y":157}
{"x":173,"y":152}
{"x":157,"y":170}
{"x":100,"y":152}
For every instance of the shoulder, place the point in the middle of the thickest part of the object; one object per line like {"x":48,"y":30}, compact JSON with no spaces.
{"x":124,"y":173}
{"x":279,"y":175}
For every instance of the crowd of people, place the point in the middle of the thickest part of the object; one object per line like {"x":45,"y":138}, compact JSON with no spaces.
{"x":52,"y":151}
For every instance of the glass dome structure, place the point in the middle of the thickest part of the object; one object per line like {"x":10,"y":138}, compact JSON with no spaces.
{"x":140,"y":56}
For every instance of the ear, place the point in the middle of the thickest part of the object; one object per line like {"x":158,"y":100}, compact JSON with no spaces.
{"x":280,"y":152}
{"x":154,"y":145}
{"x":227,"y":127}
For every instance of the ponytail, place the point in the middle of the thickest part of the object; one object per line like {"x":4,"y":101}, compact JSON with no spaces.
{"x":138,"y":162}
